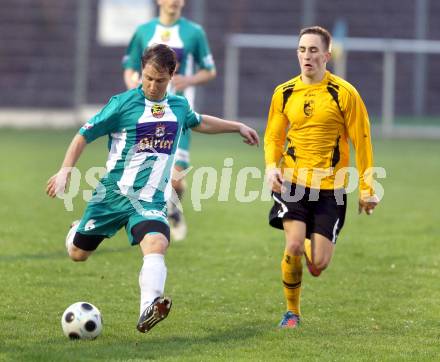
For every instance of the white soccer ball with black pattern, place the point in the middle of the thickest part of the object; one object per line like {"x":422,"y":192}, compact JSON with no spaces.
{"x":81,"y":320}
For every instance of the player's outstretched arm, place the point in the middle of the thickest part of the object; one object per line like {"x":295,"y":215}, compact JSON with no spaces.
{"x":212,"y":125}
{"x":57,"y":183}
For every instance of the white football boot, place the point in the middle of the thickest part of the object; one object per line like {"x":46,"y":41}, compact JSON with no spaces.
{"x":71,"y":234}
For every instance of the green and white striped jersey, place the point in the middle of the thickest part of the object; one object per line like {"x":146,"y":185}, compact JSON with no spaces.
{"x":185,"y":37}
{"x":143,"y":137}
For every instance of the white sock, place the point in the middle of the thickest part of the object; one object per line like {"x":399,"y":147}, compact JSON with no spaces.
{"x":152,"y":279}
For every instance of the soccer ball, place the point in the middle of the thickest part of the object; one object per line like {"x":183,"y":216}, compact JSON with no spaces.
{"x":81,"y":320}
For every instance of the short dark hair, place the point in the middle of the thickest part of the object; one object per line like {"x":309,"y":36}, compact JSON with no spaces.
{"x":161,"y":56}
{"x":318,"y":30}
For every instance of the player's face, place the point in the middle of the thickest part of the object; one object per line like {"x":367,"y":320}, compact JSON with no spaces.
{"x":312,"y":57}
{"x":171,"y":7}
{"x":154,"y":82}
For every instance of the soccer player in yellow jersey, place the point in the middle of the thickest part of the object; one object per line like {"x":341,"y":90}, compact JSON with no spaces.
{"x":310,"y":120}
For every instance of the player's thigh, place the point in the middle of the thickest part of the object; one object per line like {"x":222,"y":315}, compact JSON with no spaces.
{"x":295,"y":234}
{"x":328,"y":216}
{"x":154,"y":243}
{"x":149,"y":228}
{"x":284,"y":209}
{"x":104,"y":215}
{"x":328,"y":220}
{"x":84,"y":244}
{"x":322,"y":250}
{"x":101,"y":220}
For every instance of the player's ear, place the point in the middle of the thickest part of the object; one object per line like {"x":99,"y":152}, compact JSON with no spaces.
{"x":328,"y":56}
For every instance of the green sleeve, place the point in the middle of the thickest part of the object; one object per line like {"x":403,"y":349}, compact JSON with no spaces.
{"x":203,"y":56}
{"x":133,"y":54}
{"x":103,"y":123}
{"x":192,"y":119}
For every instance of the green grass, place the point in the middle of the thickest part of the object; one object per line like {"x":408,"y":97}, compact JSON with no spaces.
{"x":379,"y":300}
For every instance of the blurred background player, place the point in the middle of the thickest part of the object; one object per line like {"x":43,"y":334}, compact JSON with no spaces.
{"x":143,"y":125}
{"x":314,"y":114}
{"x":195,"y":66}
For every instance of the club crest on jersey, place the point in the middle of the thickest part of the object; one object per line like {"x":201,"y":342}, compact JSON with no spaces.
{"x":158,"y":110}
{"x":165,"y":36}
{"x":309,"y":107}
{"x":160,"y":130}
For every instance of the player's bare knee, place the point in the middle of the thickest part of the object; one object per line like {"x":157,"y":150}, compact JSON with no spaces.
{"x":295,"y":247}
{"x":156,"y":243}
{"x":78,"y":257}
{"x":77,"y":254}
{"x":321,"y":263}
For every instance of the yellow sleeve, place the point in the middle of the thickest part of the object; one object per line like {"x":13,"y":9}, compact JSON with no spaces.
{"x":276,"y":130}
{"x":358,"y":126}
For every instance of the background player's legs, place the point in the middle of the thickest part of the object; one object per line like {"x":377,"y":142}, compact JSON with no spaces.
{"x":291,"y":265}
{"x":178,"y":182}
{"x":175,"y":215}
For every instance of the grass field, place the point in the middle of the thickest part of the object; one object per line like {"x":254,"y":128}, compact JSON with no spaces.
{"x":379,"y":300}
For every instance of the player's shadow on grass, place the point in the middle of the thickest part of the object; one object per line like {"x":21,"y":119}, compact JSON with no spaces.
{"x":59,"y":254}
{"x":150,"y":347}
{"x":199,"y":347}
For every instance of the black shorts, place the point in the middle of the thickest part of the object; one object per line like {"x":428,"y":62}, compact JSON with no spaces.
{"x":323,"y":211}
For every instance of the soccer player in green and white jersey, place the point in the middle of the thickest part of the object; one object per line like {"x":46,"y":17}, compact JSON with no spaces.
{"x":144,"y":126}
{"x":195,"y":66}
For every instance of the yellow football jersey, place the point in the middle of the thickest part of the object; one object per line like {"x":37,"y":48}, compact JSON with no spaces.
{"x":308,"y":129}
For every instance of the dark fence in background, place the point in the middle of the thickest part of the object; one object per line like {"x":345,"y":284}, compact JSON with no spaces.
{"x":38,"y":39}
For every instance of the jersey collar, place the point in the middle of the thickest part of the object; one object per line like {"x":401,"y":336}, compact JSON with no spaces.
{"x":323,"y":81}
{"x":141,"y":92}
{"x":171,"y":25}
